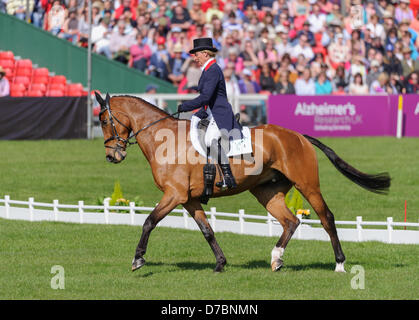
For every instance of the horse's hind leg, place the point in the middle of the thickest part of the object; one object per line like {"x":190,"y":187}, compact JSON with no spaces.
{"x":272,"y":197}
{"x":197,"y":212}
{"x":327,"y":219}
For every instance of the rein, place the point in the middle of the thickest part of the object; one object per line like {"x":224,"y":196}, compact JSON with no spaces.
{"x":132,"y":135}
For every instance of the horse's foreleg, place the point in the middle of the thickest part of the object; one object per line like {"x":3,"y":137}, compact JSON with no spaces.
{"x":167,"y":204}
{"x":197,"y":212}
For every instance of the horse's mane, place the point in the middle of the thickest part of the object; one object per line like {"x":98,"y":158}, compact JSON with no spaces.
{"x":148,"y":104}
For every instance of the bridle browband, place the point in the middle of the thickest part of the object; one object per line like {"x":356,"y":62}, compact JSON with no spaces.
{"x":116,"y":136}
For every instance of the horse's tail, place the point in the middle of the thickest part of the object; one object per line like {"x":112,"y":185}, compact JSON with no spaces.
{"x":378,"y":183}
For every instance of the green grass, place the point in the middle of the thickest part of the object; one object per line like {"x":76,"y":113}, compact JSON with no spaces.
{"x":73,"y":170}
{"x":97,"y":261}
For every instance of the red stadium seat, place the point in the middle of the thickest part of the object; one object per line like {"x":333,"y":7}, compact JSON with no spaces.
{"x":9,"y":74}
{"x":24,"y":63}
{"x":14,"y":93}
{"x":57,"y":86}
{"x":7,"y":63}
{"x":38,"y":86}
{"x":23,"y":80}
{"x":43,"y":72}
{"x":76,"y":93}
{"x":26,"y":72}
{"x":55,"y":93}
{"x":74,"y":87}
{"x":35,"y":93}
{"x":58,"y":79}
{"x":7,"y":55}
{"x":40,"y":79}
{"x":17,"y":87}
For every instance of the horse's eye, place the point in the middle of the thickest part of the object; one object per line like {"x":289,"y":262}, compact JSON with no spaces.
{"x":104,"y":122}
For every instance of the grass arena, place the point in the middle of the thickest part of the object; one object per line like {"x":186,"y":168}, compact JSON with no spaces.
{"x":96,"y":258}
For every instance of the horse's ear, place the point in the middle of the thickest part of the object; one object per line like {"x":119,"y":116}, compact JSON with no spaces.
{"x":107,"y":99}
{"x":100,"y":100}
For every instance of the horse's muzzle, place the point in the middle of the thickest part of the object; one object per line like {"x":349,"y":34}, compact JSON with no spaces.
{"x":118,"y":156}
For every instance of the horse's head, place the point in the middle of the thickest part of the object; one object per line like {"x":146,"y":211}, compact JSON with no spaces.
{"x":115,"y":127}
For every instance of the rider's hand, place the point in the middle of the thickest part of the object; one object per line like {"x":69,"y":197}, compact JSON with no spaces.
{"x":180,"y":109}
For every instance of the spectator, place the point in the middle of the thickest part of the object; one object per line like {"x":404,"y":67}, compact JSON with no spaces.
{"x":391,"y":63}
{"x":284,"y":86}
{"x":268,"y":54}
{"x":408,"y":64}
{"x":180,"y":18}
{"x":192,"y":72}
{"x":412,"y":85}
{"x":338,"y":53}
{"x":373,"y":73}
{"x":4,"y":83}
{"x":306,"y":31}
{"x":403,"y":12}
{"x":126,"y":4}
{"x":340,"y":77}
{"x":159,"y":61}
{"x":357,"y":87}
{"x":151,"y":89}
{"x":71,"y":26}
{"x":232,"y":86}
{"x":323,"y":85}
{"x":379,"y":86}
{"x":340,"y":89}
{"x":196,"y":13}
{"x":305,"y":85}
{"x":283,"y":45}
{"x":140,"y":53}
{"x":376,"y":29}
{"x":101,"y":38}
{"x":120,"y":42}
{"x":248,"y":85}
{"x":175,"y":65}
{"x":248,"y":55}
{"x":303,"y":47}
{"x":316,"y":19}
{"x":83,"y":28}
{"x":18,"y":8}
{"x":396,"y":84}
{"x":266,"y":78}
{"x":215,"y":10}
{"x":56,"y":17}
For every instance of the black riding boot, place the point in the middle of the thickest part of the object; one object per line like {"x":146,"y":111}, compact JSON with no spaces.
{"x":229,"y":180}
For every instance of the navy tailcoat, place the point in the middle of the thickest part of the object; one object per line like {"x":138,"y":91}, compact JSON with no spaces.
{"x":212,"y":89}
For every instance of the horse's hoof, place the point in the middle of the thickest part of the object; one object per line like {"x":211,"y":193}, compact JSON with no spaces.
{"x":340,"y":267}
{"x":277,"y":265}
{"x":137,"y":263}
{"x":220,"y":266}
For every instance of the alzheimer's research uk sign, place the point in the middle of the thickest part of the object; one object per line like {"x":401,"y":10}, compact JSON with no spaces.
{"x":333,"y":116}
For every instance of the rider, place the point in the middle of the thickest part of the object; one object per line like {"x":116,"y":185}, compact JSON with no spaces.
{"x":213,"y":105}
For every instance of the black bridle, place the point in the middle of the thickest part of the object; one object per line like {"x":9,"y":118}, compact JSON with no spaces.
{"x":116,"y":136}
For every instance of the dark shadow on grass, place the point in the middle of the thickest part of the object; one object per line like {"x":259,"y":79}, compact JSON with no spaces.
{"x":319,"y":266}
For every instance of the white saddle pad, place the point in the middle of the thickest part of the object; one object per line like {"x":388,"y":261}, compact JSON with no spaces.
{"x":237,"y":147}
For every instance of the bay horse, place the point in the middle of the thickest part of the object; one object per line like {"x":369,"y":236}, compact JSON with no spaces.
{"x":286,"y":159}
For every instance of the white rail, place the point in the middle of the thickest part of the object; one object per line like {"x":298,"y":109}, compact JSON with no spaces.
{"x":262,"y":225}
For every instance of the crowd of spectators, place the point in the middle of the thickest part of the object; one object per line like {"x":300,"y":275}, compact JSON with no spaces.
{"x":305,"y":47}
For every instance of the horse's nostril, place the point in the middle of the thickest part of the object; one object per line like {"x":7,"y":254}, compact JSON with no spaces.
{"x":109,"y":158}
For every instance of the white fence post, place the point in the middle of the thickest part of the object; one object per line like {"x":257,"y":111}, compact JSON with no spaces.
{"x":359,"y":227}
{"x":241,"y":220}
{"x":269,"y":224}
{"x":31,"y":200}
{"x":390,"y":229}
{"x":300,"y":218}
{"x":213,"y":218}
{"x":106,"y":210}
{"x":7,"y":206}
{"x":132,"y":212}
{"x":185,"y":218}
{"x":55,"y":204}
{"x":81,"y":211}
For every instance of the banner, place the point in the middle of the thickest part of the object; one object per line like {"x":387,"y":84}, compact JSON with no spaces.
{"x":334,"y":116}
{"x":43,"y":118}
{"x":411,"y":115}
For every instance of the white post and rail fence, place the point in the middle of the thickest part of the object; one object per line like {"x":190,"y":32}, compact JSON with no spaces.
{"x":241,"y":223}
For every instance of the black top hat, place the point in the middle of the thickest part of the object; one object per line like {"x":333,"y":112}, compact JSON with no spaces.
{"x":202,"y":44}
